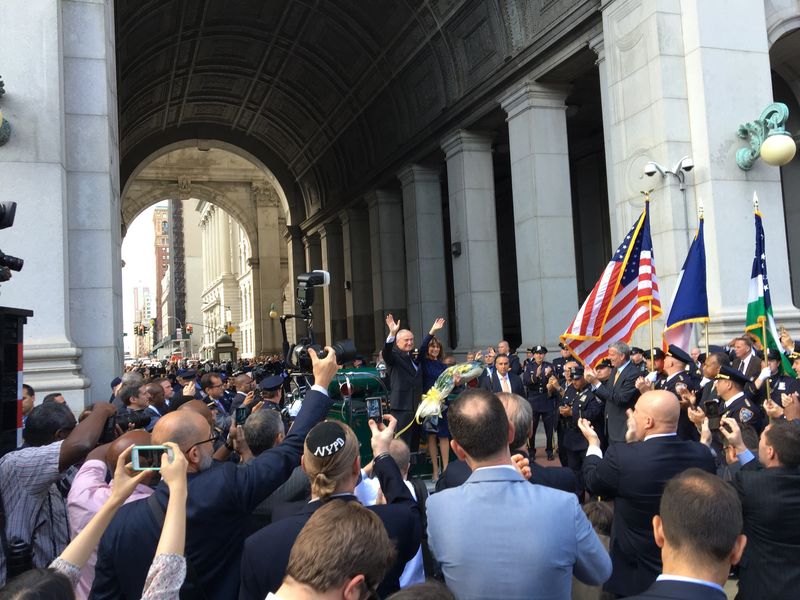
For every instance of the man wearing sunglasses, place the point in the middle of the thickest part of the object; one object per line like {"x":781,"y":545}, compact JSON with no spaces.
{"x":221,"y":497}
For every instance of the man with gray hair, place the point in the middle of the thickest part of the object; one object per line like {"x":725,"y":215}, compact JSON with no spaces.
{"x":618,"y":392}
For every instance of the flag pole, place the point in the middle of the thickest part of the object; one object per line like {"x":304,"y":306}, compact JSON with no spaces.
{"x":700,"y":217}
{"x":646,"y":194}
{"x":763,"y":319}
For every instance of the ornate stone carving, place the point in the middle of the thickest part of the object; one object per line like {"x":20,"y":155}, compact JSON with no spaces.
{"x":264,"y":194}
{"x":184,"y":186}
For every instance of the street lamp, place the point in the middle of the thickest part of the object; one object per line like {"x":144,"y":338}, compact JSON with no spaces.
{"x":768,"y":139}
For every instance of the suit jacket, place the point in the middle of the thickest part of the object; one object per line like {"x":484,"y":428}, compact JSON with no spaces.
{"x":679,"y":590}
{"x":558,"y":478}
{"x":493,"y":384}
{"x":634,"y":476}
{"x":266,"y":552}
{"x":405,"y":379}
{"x":619,"y":397}
{"x":514,"y":366}
{"x":771,"y":509}
{"x":523,"y":541}
{"x":753,"y":367}
{"x":220,"y":501}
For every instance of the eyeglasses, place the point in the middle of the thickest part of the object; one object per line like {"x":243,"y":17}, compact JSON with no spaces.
{"x":214,"y":437}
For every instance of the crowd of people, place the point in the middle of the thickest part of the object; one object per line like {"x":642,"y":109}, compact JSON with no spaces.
{"x":664,"y":474}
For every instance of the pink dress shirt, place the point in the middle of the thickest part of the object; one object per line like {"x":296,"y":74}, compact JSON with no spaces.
{"x":88,"y":493}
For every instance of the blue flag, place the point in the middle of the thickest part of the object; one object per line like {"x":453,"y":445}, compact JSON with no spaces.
{"x":690,"y":302}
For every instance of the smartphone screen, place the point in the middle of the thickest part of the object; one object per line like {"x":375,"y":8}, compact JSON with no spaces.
{"x":712,"y":412}
{"x":241,"y":415}
{"x":374,"y":409}
{"x":148,"y":458}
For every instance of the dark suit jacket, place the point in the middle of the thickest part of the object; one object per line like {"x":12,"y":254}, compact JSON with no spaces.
{"x":679,"y":590}
{"x":770,"y":567}
{"x":514,"y":366}
{"x":220,"y":501}
{"x":493,"y":384}
{"x":559,"y":478}
{"x":266,"y":553}
{"x":619,"y":397}
{"x":753,"y":367}
{"x":404,"y":379}
{"x":634,"y":476}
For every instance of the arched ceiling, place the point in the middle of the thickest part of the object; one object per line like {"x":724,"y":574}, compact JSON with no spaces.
{"x":321,"y":91}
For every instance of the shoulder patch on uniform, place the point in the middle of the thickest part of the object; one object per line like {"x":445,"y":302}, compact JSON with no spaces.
{"x":745,"y":415}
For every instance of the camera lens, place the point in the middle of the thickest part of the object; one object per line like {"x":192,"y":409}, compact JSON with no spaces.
{"x":12,"y":262}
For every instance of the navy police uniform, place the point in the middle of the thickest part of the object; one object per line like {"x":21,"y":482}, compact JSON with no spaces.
{"x":535,"y":379}
{"x":584,"y":405}
{"x":686,"y":429}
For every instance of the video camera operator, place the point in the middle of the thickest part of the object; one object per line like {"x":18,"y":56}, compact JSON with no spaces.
{"x":35,"y":515}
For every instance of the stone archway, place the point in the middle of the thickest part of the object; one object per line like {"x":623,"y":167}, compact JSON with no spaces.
{"x":252,"y":197}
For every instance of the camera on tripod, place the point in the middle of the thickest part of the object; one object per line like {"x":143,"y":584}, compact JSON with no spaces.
{"x":297,"y":356}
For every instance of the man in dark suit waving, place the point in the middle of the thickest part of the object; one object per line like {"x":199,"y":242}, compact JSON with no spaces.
{"x":502,"y":379}
{"x":634,"y":475}
{"x":618,"y":391}
{"x":405,"y":380}
{"x":699,"y":531}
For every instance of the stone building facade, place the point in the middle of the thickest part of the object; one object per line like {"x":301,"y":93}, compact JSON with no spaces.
{"x":477,"y":159}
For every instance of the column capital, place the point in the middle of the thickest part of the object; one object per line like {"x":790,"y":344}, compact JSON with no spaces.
{"x":597,"y":45}
{"x":311,"y":239}
{"x":353,"y":214}
{"x":462,"y":140}
{"x":383,"y":197}
{"x":329,"y":228}
{"x":415,"y":172}
{"x":292,"y":233}
{"x":530,"y":94}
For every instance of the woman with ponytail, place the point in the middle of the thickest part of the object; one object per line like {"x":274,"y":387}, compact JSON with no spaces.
{"x":333,"y":465}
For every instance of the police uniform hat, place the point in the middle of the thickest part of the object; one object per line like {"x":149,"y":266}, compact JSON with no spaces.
{"x":562,"y":345}
{"x":794,"y":356}
{"x":727,"y":372}
{"x":657,"y":352}
{"x":576,"y":373}
{"x":187,"y":373}
{"x":271,"y":383}
{"x":604,"y":364}
{"x":679,"y":354}
{"x":539,"y":350}
{"x":773,"y":354}
{"x":116,"y":381}
{"x":636,"y":350}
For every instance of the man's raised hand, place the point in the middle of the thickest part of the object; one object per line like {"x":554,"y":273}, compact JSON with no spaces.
{"x":394,"y":326}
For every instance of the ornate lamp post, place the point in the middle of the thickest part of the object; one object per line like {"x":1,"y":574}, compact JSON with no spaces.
{"x":768,"y":139}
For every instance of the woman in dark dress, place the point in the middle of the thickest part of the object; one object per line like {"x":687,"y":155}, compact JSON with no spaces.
{"x":430,"y":352}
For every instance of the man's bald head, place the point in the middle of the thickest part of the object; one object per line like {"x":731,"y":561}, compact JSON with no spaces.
{"x":243,"y":382}
{"x":656,"y":411}
{"x":520,"y":416}
{"x":199,"y":407}
{"x":184,"y":428}
{"x":137,"y":437}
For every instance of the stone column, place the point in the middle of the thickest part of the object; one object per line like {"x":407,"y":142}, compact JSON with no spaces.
{"x":297,"y":265}
{"x":540,"y":181}
{"x":665,"y":103}
{"x":422,"y":218}
{"x":388,"y":260}
{"x":224,"y":232}
{"x":61,"y":132}
{"x":470,"y":178}
{"x":330,"y":235}
{"x":358,"y":272}
{"x":313,"y":248}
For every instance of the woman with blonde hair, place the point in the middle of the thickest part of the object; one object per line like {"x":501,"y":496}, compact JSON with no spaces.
{"x":331,"y":461}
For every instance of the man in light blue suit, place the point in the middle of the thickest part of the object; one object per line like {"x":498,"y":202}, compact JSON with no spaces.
{"x":498,"y":536}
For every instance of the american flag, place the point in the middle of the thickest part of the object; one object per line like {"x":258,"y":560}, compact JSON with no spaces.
{"x":620,"y":300}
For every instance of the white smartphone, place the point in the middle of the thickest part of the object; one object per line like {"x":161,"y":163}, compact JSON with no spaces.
{"x":148,"y":458}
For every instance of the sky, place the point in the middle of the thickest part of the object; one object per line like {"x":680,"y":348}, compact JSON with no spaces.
{"x":140,"y":266}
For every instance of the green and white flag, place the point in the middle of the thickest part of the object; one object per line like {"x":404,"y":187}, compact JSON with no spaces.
{"x":759,"y":302}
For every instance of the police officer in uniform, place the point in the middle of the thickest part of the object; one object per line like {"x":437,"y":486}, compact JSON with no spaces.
{"x":558,"y":390}
{"x":735,"y":403}
{"x":655,"y":364}
{"x":637,"y":358}
{"x":560,"y":362}
{"x":778,"y":383}
{"x":535,"y":378}
{"x":579,"y":402}
{"x":678,"y":381}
